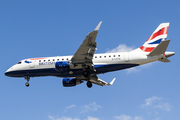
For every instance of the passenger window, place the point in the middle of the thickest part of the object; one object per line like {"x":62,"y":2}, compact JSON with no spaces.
{"x":104,"y":56}
{"x":67,"y":58}
{"x":114,"y":55}
{"x":99,"y":56}
{"x":19,"y":62}
{"x":48,"y":60}
{"x":109,"y":56}
{"x":95,"y":56}
{"x":53,"y":59}
{"x":44,"y":60}
{"x":57,"y":59}
{"x":39,"y":60}
{"x":62,"y":59}
{"x":118,"y":55}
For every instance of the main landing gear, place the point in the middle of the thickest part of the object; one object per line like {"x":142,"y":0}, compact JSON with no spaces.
{"x":89,"y":84}
{"x":87,"y":76}
{"x":27,"y":78}
{"x":86,"y":73}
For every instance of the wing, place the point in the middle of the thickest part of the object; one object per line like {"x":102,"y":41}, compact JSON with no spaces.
{"x":94,"y":79}
{"x":85,"y":52}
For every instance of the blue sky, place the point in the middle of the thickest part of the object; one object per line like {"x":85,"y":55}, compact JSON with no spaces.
{"x":42,"y":28}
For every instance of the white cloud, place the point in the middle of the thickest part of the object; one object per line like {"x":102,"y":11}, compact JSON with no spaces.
{"x":138,"y":118}
{"x":69,"y":107}
{"x":157,"y":102}
{"x":130,"y":70}
{"x":126,"y":117}
{"x":164,"y":106}
{"x":123,"y":117}
{"x":85,"y":108}
{"x":121,"y":48}
{"x":90,"y":107}
{"x":69,"y":118}
{"x":150,"y":101}
{"x":62,"y":118}
{"x":91,"y":118}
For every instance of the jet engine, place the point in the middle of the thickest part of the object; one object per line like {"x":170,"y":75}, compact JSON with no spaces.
{"x":62,"y":66}
{"x":66,"y":65}
{"x":69,"y":82}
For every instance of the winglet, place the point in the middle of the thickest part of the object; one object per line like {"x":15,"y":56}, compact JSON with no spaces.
{"x":98,"y":26}
{"x":111,"y":83}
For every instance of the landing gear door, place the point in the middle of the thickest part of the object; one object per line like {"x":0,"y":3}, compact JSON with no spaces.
{"x":126,"y":57}
{"x":32,"y":64}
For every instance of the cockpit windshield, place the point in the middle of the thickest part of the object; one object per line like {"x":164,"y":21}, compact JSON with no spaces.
{"x":19,"y":62}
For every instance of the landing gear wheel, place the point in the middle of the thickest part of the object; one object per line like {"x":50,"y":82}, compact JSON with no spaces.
{"x":89,"y":84}
{"x":27,"y":84}
{"x":85,"y":73}
{"x":27,"y":78}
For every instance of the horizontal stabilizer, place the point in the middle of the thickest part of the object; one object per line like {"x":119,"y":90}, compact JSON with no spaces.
{"x":164,"y":59}
{"x":160,"y":49}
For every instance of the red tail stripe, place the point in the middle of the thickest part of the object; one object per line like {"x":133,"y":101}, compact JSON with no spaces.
{"x":167,"y":29}
{"x":37,"y":58}
{"x":146,"y":49}
{"x":160,"y":32}
{"x":142,"y":47}
{"x":149,"y":49}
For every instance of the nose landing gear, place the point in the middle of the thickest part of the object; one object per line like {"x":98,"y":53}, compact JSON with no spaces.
{"x":27,"y":78}
{"x":27,"y":84}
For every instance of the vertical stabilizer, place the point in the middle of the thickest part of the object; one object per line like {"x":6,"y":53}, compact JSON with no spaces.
{"x":159,"y":35}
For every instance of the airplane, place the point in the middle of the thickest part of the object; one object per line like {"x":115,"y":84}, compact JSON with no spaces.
{"x":84,"y":65}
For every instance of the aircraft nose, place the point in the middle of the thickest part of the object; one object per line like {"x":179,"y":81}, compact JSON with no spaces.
{"x":8,"y":72}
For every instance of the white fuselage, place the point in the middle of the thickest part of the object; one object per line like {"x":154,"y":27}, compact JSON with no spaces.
{"x":102,"y":63}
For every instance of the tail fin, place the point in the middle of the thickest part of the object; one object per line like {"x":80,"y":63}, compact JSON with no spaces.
{"x":160,"y":34}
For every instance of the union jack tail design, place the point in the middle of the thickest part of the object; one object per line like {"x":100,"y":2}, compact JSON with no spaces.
{"x":157,"y":36}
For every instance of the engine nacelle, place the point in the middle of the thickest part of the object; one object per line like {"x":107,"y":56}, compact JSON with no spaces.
{"x":69,"y":82}
{"x":62,"y":66}
{"x":66,"y":65}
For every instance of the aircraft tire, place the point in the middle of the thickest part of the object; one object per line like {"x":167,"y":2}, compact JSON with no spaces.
{"x":89,"y":84}
{"x":27,"y":84}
